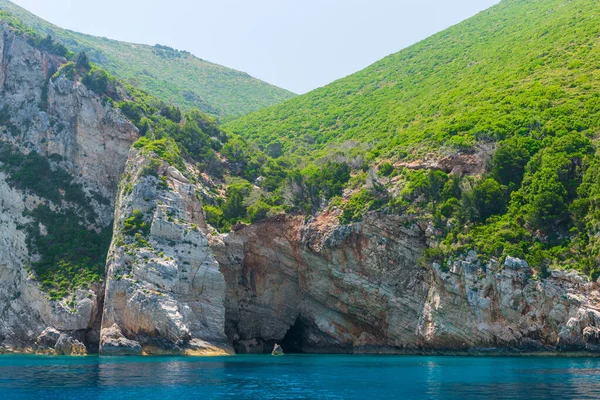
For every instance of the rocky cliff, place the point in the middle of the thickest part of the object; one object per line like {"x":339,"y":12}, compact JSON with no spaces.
{"x":361,"y":288}
{"x":164,"y":290}
{"x":80,"y":138}
{"x":173,"y":285}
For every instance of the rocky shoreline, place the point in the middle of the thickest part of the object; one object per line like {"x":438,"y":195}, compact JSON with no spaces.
{"x":173,"y":285}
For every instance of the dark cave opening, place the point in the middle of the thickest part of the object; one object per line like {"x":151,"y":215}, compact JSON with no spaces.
{"x":293,"y":342}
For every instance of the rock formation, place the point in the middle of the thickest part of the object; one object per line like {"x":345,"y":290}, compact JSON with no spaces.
{"x":164,"y":290}
{"x":277,"y":350}
{"x":68,"y":124}
{"x":361,"y":288}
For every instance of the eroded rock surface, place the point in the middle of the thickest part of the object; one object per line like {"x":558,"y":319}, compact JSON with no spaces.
{"x":362,"y":288}
{"x":69,"y":125}
{"x":164,"y":289}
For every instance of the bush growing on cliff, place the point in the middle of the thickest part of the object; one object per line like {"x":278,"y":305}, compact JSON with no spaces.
{"x":136,"y":224}
{"x":67,"y":70}
{"x":132,"y":110}
{"x":214,"y":216}
{"x":489,"y":198}
{"x":83,"y":61}
{"x":48,"y":44}
{"x":70,"y":255}
{"x":511,"y":157}
{"x":359,"y":203}
{"x":195,"y":133}
{"x":98,"y":80}
{"x":261,"y":210}
{"x":234,"y":208}
{"x":385,"y":169}
{"x":166,"y":149}
{"x":428,"y":184}
{"x":307,"y":190}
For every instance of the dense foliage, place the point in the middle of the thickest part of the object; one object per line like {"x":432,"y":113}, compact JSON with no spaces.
{"x":71,"y":256}
{"x":544,"y":214}
{"x":518,"y":83}
{"x":176,"y":77}
{"x":509,"y":70}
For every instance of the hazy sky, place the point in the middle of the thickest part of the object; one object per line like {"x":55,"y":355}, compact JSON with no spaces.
{"x":295,"y":44}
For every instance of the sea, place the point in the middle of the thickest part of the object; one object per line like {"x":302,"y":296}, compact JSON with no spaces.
{"x":299,"y":377}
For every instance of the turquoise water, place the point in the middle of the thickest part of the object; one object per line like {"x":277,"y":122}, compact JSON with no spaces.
{"x":301,"y":377}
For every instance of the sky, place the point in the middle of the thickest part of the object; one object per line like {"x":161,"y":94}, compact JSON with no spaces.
{"x":295,"y":44}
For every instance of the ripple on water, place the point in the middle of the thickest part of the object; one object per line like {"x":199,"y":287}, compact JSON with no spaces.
{"x":298,"y":377}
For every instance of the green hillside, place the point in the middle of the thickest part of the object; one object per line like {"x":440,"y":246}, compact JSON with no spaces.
{"x":176,"y":77}
{"x":516,"y":87}
{"x":519,"y":66}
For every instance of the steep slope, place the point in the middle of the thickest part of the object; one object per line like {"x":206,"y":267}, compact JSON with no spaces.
{"x":164,"y":290}
{"x":176,"y":77}
{"x":62,"y":151}
{"x":67,"y":169}
{"x":320,"y":288}
{"x":488,"y":130}
{"x":519,"y":67}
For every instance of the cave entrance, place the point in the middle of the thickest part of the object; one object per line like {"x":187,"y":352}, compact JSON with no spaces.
{"x":294,"y":339}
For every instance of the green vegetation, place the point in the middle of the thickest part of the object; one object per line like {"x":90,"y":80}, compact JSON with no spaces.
{"x":278,"y":190}
{"x":71,"y":256}
{"x":310,"y":188}
{"x":165,"y":148}
{"x":135,"y":224}
{"x":96,"y":79}
{"x":507,"y":71}
{"x":385,"y":169}
{"x":33,"y":173}
{"x":516,"y":86}
{"x":358,"y":204}
{"x":175,"y":77}
{"x":546,"y":219}
{"x":517,"y":83}
{"x":172,"y":135}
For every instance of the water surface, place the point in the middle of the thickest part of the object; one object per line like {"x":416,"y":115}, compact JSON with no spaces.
{"x":298,"y":377}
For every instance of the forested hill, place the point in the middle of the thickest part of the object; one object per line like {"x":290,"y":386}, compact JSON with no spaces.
{"x":176,"y":77}
{"x":521,"y":66}
{"x":486,"y":131}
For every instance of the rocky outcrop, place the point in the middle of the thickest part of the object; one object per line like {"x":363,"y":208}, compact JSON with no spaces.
{"x":362,"y":288}
{"x":164,"y":291}
{"x":353,"y":287}
{"x":477,"y":304}
{"x":69,"y":125}
{"x":277,"y":350}
{"x":52,"y":342}
{"x":114,"y":343}
{"x":69,"y":346}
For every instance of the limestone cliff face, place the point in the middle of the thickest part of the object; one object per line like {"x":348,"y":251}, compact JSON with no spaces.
{"x":164,"y":291}
{"x":68,"y":124}
{"x":356,"y":286}
{"x":361,"y":288}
